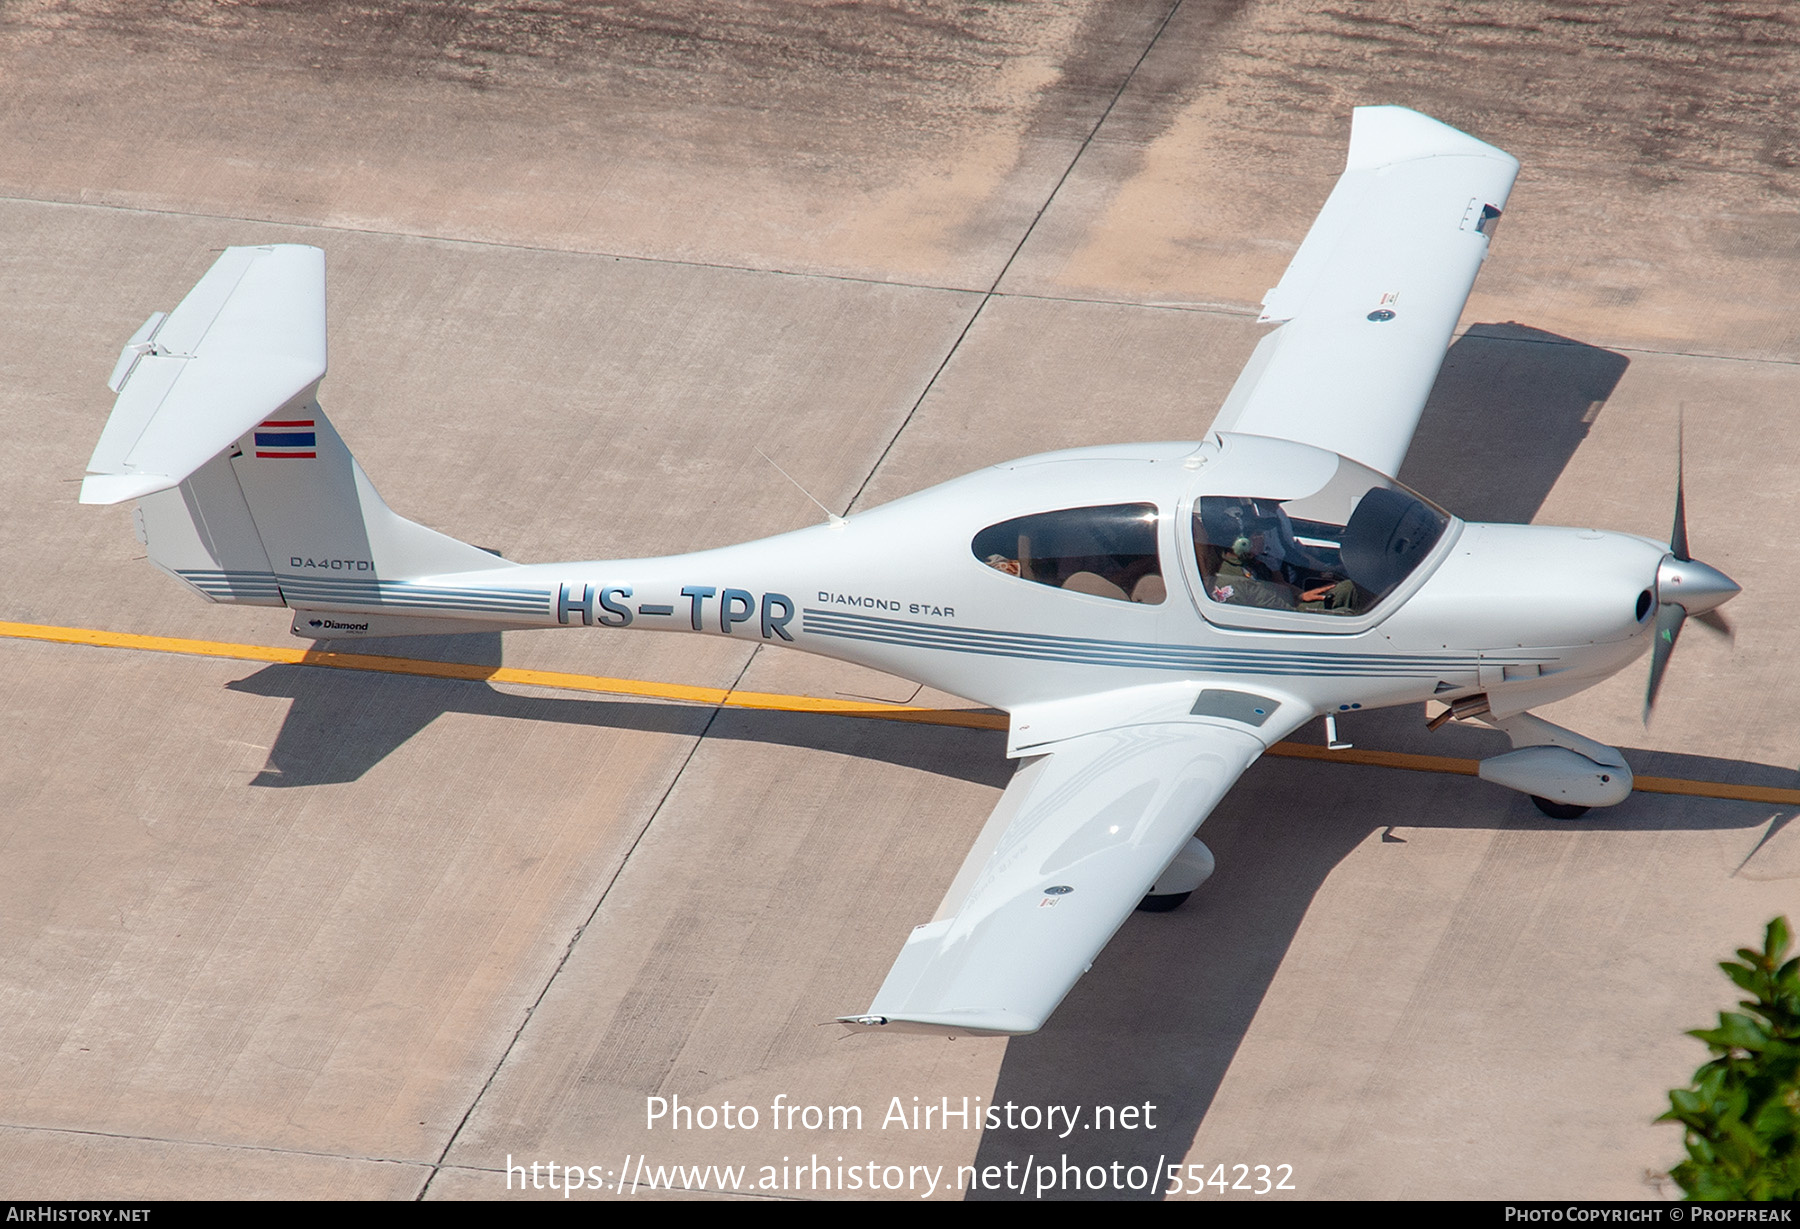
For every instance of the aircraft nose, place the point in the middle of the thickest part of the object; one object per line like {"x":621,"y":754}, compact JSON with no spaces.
{"x":1692,"y":585}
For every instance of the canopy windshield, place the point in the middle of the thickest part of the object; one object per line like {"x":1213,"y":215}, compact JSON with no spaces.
{"x":1336,"y":552}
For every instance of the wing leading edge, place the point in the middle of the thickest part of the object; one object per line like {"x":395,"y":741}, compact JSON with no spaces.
{"x":1371,"y":300}
{"x":1080,"y":835}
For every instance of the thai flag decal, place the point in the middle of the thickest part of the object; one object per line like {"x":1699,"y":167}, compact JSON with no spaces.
{"x":287,"y":437}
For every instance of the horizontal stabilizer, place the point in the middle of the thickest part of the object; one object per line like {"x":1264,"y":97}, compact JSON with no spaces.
{"x":247,"y":341}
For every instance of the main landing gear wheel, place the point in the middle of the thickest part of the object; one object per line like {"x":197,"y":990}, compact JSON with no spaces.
{"x":1558,"y":810}
{"x":1162,"y":904}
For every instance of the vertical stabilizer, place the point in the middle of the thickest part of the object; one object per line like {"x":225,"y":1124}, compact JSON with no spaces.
{"x":246,"y":490}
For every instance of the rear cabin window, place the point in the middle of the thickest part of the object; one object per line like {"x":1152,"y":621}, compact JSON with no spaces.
{"x":1103,"y":552}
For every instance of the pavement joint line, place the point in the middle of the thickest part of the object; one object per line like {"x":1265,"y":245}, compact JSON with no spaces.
{"x":1086,"y":144}
{"x":575,"y":937}
{"x":1219,"y":309}
{"x":731,"y":697}
{"x":1206,"y":308}
{"x":140,"y":1137}
{"x":1013,"y":256}
{"x":501,"y":244}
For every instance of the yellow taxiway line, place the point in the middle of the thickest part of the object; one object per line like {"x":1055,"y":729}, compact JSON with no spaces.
{"x":979,"y":719}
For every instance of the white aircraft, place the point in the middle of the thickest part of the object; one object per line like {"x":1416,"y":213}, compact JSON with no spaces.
{"x":1151,"y":616}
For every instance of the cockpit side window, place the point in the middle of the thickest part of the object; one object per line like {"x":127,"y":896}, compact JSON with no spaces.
{"x":1104,"y":552}
{"x":1258,"y":552}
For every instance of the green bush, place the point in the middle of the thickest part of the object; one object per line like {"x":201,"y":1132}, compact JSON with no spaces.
{"x":1743,"y":1112}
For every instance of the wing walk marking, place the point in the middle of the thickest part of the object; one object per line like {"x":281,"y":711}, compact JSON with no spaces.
{"x":1082,"y":650}
{"x":978,"y":719}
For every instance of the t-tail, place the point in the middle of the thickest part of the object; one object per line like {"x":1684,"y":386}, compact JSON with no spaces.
{"x":247,"y":493}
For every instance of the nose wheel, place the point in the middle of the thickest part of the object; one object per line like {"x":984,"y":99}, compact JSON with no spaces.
{"x":1558,"y":810}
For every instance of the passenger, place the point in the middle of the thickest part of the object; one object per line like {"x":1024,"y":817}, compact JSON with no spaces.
{"x":1271,"y":553}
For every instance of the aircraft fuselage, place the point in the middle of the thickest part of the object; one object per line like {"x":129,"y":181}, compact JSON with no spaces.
{"x":1525,"y":614}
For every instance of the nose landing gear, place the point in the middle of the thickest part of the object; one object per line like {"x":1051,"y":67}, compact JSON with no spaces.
{"x":1563,"y":773}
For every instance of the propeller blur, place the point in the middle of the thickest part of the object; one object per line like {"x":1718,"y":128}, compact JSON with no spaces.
{"x":1684,"y":587}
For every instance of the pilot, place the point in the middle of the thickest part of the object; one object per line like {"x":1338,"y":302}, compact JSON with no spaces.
{"x":1243,"y":580}
{"x":1273,"y":561}
{"x":1271,"y":551}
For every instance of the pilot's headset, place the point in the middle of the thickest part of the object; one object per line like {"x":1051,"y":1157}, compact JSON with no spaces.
{"x":1224,"y":522}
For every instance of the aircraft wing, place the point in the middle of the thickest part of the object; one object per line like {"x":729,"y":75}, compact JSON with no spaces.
{"x":1082,"y":832}
{"x":1371,"y":300}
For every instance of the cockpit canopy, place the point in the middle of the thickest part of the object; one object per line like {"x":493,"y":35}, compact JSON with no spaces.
{"x":1314,"y":541}
{"x":1336,"y":552}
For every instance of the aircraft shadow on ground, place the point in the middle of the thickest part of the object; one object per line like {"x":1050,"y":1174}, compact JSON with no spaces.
{"x":1162,"y":1014}
{"x":344,"y":722}
{"x":1510,"y":407}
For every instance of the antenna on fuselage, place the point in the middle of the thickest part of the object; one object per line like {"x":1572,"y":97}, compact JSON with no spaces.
{"x":831,"y":517}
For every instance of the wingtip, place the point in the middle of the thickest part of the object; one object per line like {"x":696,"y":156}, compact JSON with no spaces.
{"x":1383,"y":135}
{"x":945,"y":1024}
